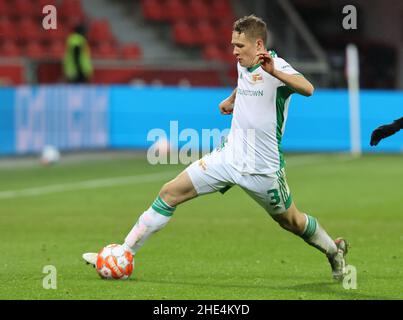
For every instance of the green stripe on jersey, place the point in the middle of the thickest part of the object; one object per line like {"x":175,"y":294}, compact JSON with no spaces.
{"x":288,"y":202}
{"x":283,"y":93}
{"x":284,"y":191}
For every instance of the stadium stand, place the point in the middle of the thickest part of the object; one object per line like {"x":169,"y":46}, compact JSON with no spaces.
{"x":191,"y":22}
{"x":131,"y":51}
{"x":22,"y":36}
{"x":199,"y":23}
{"x":141,"y":33}
{"x":10,"y":49}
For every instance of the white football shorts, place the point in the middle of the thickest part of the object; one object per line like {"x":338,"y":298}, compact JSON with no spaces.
{"x":213,"y":173}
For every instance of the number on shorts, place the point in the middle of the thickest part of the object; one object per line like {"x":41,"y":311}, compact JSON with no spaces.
{"x":274,"y":198}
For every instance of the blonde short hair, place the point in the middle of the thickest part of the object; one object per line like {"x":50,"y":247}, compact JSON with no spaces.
{"x":253,"y":27}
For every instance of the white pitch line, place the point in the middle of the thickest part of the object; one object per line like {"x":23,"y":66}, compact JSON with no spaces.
{"x":119,"y":181}
{"x":88,"y":184}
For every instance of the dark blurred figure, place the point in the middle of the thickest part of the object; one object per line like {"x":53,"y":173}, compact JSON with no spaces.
{"x":77,"y":59}
{"x":385,"y":131}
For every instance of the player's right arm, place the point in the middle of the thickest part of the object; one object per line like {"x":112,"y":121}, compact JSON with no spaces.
{"x":227,"y":105}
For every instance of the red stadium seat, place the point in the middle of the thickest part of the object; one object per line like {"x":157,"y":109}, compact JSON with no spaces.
{"x":4,"y":8}
{"x":205,"y":33}
{"x":175,"y":10}
{"x":105,"y":51}
{"x":131,"y":51}
{"x":221,"y":9}
{"x":100,"y":32}
{"x":153,"y":10}
{"x":8,"y":31}
{"x":212,"y":53}
{"x":34,"y":50}
{"x":12,"y":73}
{"x":71,"y":12}
{"x":24,"y":8}
{"x":228,"y":54}
{"x":198,"y":9}
{"x":42,"y":3}
{"x":56,"y":50}
{"x":70,"y":8}
{"x":10,"y":49}
{"x":225,"y":31}
{"x":30,"y":30}
{"x":219,"y":53}
{"x":183,"y":34}
{"x":55,"y":35}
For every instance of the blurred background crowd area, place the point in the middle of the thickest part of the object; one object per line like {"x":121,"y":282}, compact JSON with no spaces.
{"x":187,"y":42}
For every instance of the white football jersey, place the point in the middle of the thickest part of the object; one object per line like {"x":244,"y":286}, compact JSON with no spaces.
{"x":259,"y":117}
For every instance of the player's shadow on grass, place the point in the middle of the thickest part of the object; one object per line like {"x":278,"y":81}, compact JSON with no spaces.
{"x":333,"y":288}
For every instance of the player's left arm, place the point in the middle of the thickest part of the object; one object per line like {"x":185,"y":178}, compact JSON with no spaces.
{"x":296,"y":81}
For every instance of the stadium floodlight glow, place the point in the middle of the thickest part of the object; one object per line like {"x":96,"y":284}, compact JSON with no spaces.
{"x":353,"y":76}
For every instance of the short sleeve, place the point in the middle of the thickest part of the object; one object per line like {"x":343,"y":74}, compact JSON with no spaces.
{"x":282,"y":65}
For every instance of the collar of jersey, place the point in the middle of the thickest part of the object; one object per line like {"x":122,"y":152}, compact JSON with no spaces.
{"x":251,"y":69}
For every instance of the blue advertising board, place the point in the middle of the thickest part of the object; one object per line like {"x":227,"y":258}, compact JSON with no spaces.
{"x":86,"y":117}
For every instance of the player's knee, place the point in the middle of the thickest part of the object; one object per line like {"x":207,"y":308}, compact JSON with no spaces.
{"x":176,"y":192}
{"x":173,"y":194}
{"x":169,"y":195}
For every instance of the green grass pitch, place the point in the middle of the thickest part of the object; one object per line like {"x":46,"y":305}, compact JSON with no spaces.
{"x":215,"y":247}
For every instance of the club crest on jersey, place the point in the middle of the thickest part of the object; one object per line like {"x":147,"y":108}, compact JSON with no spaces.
{"x":255,"y":78}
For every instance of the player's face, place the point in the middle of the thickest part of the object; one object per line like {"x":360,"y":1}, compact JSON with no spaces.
{"x":245,"y":49}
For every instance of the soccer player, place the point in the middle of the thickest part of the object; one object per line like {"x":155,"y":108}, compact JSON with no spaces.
{"x":385,"y":131}
{"x":251,"y":157}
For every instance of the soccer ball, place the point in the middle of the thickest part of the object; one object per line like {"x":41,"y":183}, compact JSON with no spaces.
{"x":50,"y":155}
{"x":114,"y":262}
